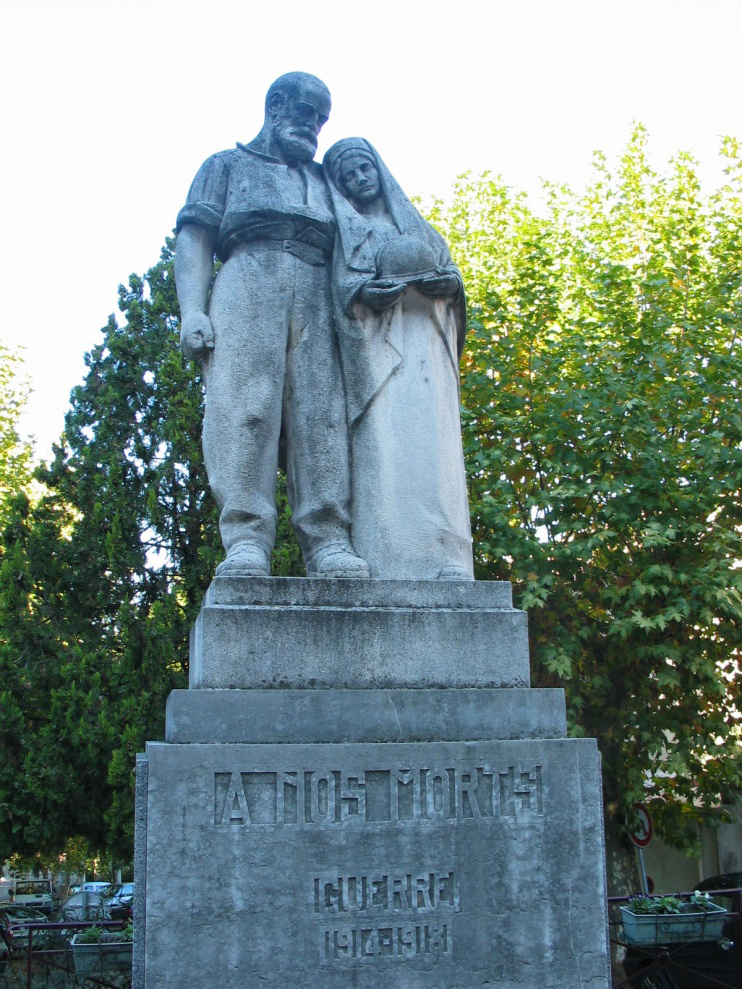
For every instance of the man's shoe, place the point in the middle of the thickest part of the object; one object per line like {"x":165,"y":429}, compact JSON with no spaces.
{"x":245,"y":560}
{"x":336,"y":561}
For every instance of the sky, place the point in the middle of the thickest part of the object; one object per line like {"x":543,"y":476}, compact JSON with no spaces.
{"x":110,"y":108}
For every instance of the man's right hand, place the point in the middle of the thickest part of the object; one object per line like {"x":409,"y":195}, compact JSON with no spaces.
{"x":196,"y":336}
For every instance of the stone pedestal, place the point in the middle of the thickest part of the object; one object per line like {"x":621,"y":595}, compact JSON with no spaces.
{"x":360,"y":789}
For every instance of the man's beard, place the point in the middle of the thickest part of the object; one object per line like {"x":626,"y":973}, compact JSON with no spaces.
{"x":296,"y":143}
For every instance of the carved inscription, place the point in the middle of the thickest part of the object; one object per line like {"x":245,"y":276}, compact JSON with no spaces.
{"x":418,"y":892}
{"x":402,"y":795}
{"x":397,"y":898}
{"x":400,"y":941}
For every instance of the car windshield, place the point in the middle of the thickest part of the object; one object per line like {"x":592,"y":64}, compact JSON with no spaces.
{"x":111,"y":890}
{"x":34,"y":889}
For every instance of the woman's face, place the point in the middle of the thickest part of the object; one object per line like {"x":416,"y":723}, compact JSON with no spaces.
{"x":359,"y":178}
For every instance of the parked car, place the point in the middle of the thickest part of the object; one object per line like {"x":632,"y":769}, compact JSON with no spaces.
{"x":34,"y":893}
{"x":4,"y":950}
{"x":96,"y":886}
{"x":11,"y":916}
{"x":84,"y":906}
{"x":689,"y":964}
{"x":119,"y":900}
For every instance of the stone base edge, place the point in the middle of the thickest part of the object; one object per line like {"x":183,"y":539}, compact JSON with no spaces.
{"x":141,"y":788}
{"x":269,"y":836}
{"x":357,"y":648}
{"x":319,"y":592}
{"x":408,"y":715}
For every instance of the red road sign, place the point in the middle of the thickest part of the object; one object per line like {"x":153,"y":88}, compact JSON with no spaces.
{"x":643,"y":833}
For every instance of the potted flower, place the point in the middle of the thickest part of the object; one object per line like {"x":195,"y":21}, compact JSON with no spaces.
{"x":95,"y":950}
{"x":664,"y":919}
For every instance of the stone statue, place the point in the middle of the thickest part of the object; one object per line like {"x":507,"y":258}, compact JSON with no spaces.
{"x":268,"y":347}
{"x":400,"y":317}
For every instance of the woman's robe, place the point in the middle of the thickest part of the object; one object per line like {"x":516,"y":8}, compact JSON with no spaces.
{"x":410,"y":514}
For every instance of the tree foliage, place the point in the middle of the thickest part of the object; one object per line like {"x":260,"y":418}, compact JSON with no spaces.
{"x":15,"y":452}
{"x":101,"y":581}
{"x":603,"y":442}
{"x":604,"y":446}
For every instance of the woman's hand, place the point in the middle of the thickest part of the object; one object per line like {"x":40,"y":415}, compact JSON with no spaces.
{"x":381,"y":293}
{"x":440,"y":286}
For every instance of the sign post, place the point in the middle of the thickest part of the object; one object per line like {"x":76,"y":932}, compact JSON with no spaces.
{"x":641,"y":837}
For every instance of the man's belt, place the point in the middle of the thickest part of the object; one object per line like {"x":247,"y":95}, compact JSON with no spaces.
{"x":308,"y":253}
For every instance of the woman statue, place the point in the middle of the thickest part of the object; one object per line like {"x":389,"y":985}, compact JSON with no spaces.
{"x":400,"y":316}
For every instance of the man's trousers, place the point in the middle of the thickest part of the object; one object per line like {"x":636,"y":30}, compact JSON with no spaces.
{"x":275,"y":366}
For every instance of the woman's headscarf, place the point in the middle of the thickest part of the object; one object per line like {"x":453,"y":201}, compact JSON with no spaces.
{"x":352,"y":226}
{"x":371,"y":343}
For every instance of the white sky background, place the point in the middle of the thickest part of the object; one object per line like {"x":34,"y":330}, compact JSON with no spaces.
{"x":110,"y":107}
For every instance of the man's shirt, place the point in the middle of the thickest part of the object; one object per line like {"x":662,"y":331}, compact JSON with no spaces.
{"x":241,"y":195}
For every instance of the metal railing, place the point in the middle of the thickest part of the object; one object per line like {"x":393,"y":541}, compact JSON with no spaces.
{"x":49,"y":963}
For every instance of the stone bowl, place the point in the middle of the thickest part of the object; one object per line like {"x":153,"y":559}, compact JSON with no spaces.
{"x":406,"y":257}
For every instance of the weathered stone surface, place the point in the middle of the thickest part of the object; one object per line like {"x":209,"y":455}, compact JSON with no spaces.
{"x":448,"y":865}
{"x":140,"y":871}
{"x":323,"y":813}
{"x":401,"y":321}
{"x":267,"y":343}
{"x":384,"y":833}
{"x":319,"y":265}
{"x":267,"y":716}
{"x":358,"y":634}
{"x":318,"y":593}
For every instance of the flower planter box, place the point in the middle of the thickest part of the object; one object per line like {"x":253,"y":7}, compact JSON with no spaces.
{"x":664,"y":928}
{"x":92,"y":959}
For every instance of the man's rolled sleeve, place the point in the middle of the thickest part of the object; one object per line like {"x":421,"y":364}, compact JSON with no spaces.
{"x":207,"y":196}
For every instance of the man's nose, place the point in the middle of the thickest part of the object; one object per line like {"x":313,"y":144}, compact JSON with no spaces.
{"x":310,"y":116}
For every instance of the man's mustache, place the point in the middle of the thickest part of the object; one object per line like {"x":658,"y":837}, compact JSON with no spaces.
{"x":303,"y":132}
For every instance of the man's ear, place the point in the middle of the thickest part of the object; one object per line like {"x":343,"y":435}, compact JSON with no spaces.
{"x":276,"y":103}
